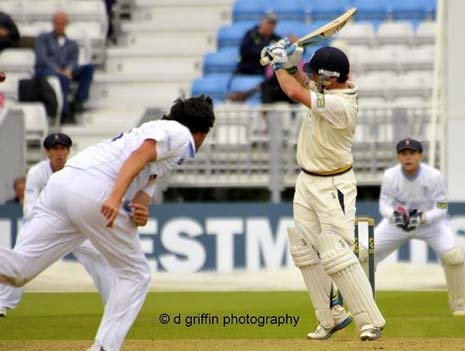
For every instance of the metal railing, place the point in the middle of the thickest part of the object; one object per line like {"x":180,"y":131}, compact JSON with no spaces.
{"x":256,"y":147}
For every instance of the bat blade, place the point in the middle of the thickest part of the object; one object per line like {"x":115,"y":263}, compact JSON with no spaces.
{"x":327,"y":30}
{"x":321,"y":33}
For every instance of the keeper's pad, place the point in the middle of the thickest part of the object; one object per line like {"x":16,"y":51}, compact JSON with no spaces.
{"x":343,"y":267}
{"x":318,"y":283}
{"x":453,"y":263}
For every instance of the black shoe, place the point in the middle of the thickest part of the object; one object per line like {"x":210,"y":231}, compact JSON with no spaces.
{"x":78,"y":107}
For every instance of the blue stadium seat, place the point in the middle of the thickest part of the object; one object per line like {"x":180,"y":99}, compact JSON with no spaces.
{"x":411,"y":9}
{"x":249,"y":10}
{"x":223,"y":61}
{"x":288,"y":28}
{"x":326,"y":10}
{"x":243,"y":83}
{"x":290,"y":10}
{"x":368,"y":10}
{"x":213,"y":85}
{"x":232,"y":35}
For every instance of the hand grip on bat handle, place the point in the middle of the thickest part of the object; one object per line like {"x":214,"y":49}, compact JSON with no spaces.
{"x":267,"y":58}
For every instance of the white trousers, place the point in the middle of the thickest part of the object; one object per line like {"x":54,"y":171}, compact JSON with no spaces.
{"x":389,"y":237}
{"x":86,"y":254}
{"x":66,"y":214}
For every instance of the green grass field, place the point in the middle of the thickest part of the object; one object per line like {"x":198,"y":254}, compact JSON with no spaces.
{"x":415,"y":321}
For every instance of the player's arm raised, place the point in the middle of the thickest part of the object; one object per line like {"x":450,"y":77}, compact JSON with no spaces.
{"x":131,"y":167}
{"x":293,"y":88}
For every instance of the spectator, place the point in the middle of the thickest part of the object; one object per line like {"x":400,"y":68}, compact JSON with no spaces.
{"x":251,"y":46}
{"x":57,"y":55}
{"x":9,"y":34}
{"x":19,"y":186}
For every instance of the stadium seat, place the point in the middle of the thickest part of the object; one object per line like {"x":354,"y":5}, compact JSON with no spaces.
{"x":326,"y":10}
{"x":413,"y":83}
{"x":399,"y":32}
{"x":41,"y":10}
{"x":244,"y":83}
{"x":10,"y":86}
{"x":168,"y":43}
{"x":223,"y":61}
{"x":411,"y":9}
{"x":213,"y":85}
{"x":232,"y":35}
{"x":14,"y":8}
{"x":368,"y":10}
{"x":290,"y":10}
{"x":87,"y":11}
{"x":169,"y":18}
{"x":379,"y":59}
{"x":418,"y":58}
{"x":357,"y":33}
{"x":425,"y":33}
{"x":289,"y":28}
{"x":17,"y":60}
{"x":409,"y":102}
{"x":35,"y":122}
{"x":247,"y":10}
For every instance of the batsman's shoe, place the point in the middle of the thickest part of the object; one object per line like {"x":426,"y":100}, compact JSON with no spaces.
{"x":2,"y":312}
{"x":370,"y":332}
{"x":322,"y":333}
{"x":458,"y":312}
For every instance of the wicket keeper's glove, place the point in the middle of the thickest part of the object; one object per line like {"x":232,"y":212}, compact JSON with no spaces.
{"x":400,"y":217}
{"x":416,"y":218}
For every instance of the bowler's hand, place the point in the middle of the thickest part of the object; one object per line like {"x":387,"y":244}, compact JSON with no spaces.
{"x":140,"y":213}
{"x":110,"y":209}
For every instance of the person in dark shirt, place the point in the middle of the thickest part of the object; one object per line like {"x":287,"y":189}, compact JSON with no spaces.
{"x":253,"y":42}
{"x":251,"y":46}
{"x":9,"y":34}
{"x":58,"y":55}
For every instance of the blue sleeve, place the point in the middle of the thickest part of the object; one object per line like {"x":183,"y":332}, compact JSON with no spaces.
{"x":43,"y":58}
{"x":73,"y":55}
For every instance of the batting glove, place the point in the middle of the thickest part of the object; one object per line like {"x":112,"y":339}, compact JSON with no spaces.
{"x":279,"y":55}
{"x":416,"y":218}
{"x":294,"y":55}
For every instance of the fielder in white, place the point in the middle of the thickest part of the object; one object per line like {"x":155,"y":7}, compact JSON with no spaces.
{"x":57,"y":147}
{"x":321,"y":243}
{"x":413,"y":203}
{"x":85,"y":201}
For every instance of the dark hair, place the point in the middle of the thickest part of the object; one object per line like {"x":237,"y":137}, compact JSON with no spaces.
{"x":196,"y":113}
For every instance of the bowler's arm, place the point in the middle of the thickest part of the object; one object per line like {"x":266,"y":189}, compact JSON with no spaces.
{"x":147,"y":152}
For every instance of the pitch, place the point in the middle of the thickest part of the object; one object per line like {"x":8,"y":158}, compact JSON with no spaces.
{"x":67,"y":321}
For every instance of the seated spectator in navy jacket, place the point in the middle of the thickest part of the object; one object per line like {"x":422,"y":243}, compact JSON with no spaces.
{"x":251,"y":46}
{"x":253,"y":42}
{"x":57,"y":55}
{"x":9,"y":34}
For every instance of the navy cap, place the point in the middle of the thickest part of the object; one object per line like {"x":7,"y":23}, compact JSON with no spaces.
{"x":409,"y":144}
{"x":57,"y":139}
{"x":329,"y":59}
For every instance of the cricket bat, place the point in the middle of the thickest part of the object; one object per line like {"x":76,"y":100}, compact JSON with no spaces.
{"x":321,"y":33}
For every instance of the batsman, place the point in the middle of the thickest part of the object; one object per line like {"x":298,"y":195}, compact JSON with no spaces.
{"x":321,"y":243}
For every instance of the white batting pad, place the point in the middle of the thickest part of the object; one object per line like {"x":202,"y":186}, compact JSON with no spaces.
{"x":343,"y":267}
{"x":318,"y":283}
{"x":453,"y":263}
